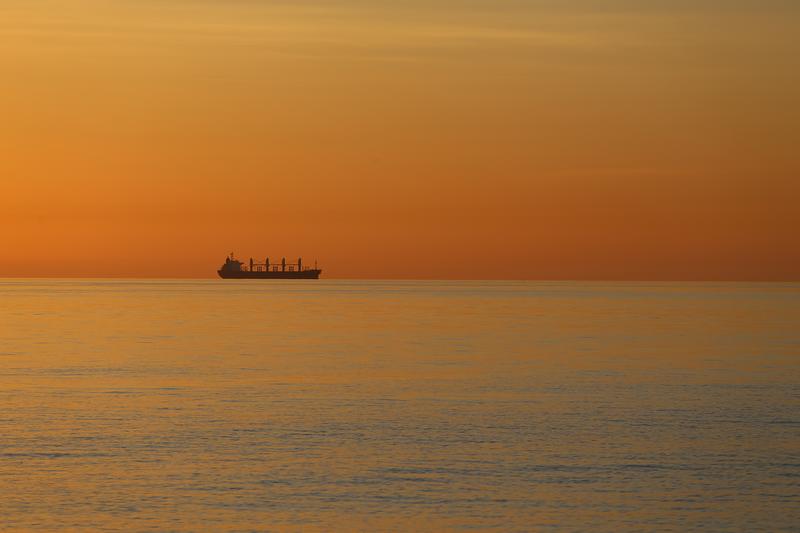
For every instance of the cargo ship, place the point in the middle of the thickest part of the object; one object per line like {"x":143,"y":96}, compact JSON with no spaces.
{"x":235,"y":269}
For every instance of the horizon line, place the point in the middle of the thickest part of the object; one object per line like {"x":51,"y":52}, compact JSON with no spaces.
{"x":533,"y":280}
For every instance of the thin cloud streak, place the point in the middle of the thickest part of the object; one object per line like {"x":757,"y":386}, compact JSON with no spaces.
{"x":306,"y":26}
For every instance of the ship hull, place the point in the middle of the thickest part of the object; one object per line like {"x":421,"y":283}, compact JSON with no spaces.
{"x":246,"y":274}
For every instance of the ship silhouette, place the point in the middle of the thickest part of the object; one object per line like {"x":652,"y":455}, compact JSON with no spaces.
{"x":235,"y":269}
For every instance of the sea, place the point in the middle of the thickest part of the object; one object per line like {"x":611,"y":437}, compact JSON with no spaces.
{"x":341,"y":405}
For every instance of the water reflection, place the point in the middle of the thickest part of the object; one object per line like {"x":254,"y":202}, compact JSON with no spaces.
{"x":186,"y":405}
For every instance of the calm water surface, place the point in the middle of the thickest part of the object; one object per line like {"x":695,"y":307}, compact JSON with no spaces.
{"x":343,"y":405}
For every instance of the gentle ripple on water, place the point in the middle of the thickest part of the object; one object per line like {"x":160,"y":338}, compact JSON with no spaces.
{"x":344,"y":405}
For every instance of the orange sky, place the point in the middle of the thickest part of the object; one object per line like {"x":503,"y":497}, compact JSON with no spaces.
{"x":595,"y":139}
